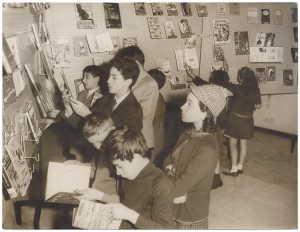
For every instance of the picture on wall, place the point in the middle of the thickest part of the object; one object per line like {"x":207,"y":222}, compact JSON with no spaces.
{"x":288,"y":78}
{"x":61,"y":53}
{"x":84,"y":15}
{"x":252,"y":15}
{"x":140,"y":8}
{"x":154,"y":28}
{"x":202,"y":10}
{"x":170,"y":29}
{"x":129,"y":41}
{"x":157,"y":9}
{"x":261,"y":75}
{"x":221,"y":9}
{"x":295,"y":30}
{"x":234,"y":8}
{"x":221,"y":31}
{"x":241,"y":42}
{"x":260,"y":39}
{"x":218,"y":53}
{"x":184,"y":28}
{"x":186,"y":9}
{"x":265,"y":16}
{"x":294,"y":52}
{"x":277,"y":16}
{"x":294,"y":13}
{"x":80,"y":46}
{"x":112,"y":15}
{"x":171,"y":9}
{"x":269,"y":41}
{"x":271,"y":73}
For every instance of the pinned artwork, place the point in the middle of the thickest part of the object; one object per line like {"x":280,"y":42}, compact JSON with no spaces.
{"x":84,"y":15}
{"x":265,"y":16}
{"x":288,"y":78}
{"x":154,"y":28}
{"x":184,"y":27}
{"x":157,"y":9}
{"x":221,"y":31}
{"x":271,"y":73}
{"x":241,"y":41}
{"x":202,"y":10}
{"x":171,"y":9}
{"x":234,"y":8}
{"x":112,"y":15}
{"x":140,"y":8}
{"x":269,"y":41}
{"x":261,"y":75}
{"x":186,"y":9}
{"x":170,"y":29}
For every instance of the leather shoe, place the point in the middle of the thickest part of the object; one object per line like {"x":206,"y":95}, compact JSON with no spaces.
{"x":214,"y":186}
{"x":240,"y":172}
{"x":233,"y":174}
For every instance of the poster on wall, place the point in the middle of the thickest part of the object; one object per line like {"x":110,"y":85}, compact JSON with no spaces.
{"x":288,"y":78}
{"x":260,"y":39}
{"x":271,"y":73}
{"x":252,"y":15}
{"x":185,"y":29}
{"x":186,"y":9}
{"x":265,"y":16}
{"x":221,"y":31}
{"x":80,"y":46}
{"x":84,"y":15}
{"x":234,"y":8}
{"x":221,"y":9}
{"x":294,"y":14}
{"x":241,"y":42}
{"x":295,"y":30}
{"x":277,"y":17}
{"x":156,"y":9}
{"x":170,"y":29}
{"x":269,"y":41}
{"x":218,"y":53}
{"x":266,"y":54}
{"x":294,"y":52}
{"x":261,"y":75}
{"x":171,"y":9}
{"x":139,"y":8}
{"x":154,"y":28}
{"x":191,"y":57}
{"x":201,"y":10}
{"x":112,"y":15}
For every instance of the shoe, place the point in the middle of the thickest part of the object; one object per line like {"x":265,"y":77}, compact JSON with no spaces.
{"x":228,"y":173}
{"x":217,"y":185}
{"x":240,"y":172}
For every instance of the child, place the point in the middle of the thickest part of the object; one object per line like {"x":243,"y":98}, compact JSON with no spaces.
{"x":192,"y":162}
{"x":245,"y":99}
{"x":145,"y":192}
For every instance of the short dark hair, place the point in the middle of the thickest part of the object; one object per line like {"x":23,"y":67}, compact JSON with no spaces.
{"x":219,"y":77}
{"x":131,"y":52}
{"x":158,"y":76}
{"x":128,"y":69}
{"x":124,"y":142}
{"x":94,"y":122}
{"x":102,"y":72}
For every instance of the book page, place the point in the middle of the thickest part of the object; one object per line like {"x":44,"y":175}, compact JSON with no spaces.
{"x":66,"y":178}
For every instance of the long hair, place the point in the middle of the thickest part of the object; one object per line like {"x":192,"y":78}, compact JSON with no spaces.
{"x":246,"y":77}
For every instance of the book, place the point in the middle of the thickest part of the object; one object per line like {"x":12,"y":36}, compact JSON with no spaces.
{"x":13,"y":45}
{"x":252,"y":15}
{"x":221,"y":31}
{"x":260,"y":39}
{"x":191,"y":57}
{"x":157,"y":9}
{"x":269,"y":41}
{"x":294,"y":13}
{"x":80,"y":46}
{"x":171,"y":9}
{"x":9,"y":92}
{"x":19,"y":82}
{"x":19,"y":164}
{"x":186,"y":9}
{"x":63,"y":179}
{"x":170,"y":29}
{"x":116,"y":44}
{"x":91,"y":215}
{"x":61,"y":53}
{"x":154,"y":28}
{"x":139,"y":8}
{"x":265,"y":16}
{"x":112,"y":15}
{"x":241,"y":41}
{"x":218,"y":53}
{"x":36,"y":36}
{"x":185,"y":29}
{"x":180,"y":61}
{"x":33,"y":122}
{"x":92,"y":42}
{"x":8,"y":60}
{"x":295,"y":30}
{"x":84,"y":16}
{"x":104,"y":42}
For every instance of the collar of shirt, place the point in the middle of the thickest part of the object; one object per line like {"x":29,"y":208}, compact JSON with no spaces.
{"x":91,"y":91}
{"x":120,"y":99}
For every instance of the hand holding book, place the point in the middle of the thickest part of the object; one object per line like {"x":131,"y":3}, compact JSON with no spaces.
{"x":89,"y":194}
{"x":79,"y":108}
{"x":121,"y":212}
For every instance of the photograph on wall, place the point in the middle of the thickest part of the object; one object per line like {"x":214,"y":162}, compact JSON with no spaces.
{"x":271,"y":73}
{"x":269,"y":41}
{"x":260,"y":39}
{"x":186,"y":9}
{"x":277,"y":17}
{"x":294,"y":13}
{"x":84,"y":15}
{"x":295,"y":30}
{"x":129,"y":41}
{"x":234,"y":8}
{"x":218,"y":53}
{"x":139,"y":8}
{"x":241,"y":42}
{"x":294,"y":52}
{"x":170,"y":29}
{"x":261,"y":75}
{"x":221,"y":31}
{"x":252,"y":15}
{"x":221,"y":9}
{"x":265,"y":16}
{"x":116,"y":44}
{"x":288,"y":77}
{"x":171,"y":9}
{"x":157,"y":9}
{"x":185,"y":29}
{"x":112,"y":15}
{"x":80,"y":46}
{"x":154,"y":28}
{"x":201,"y":10}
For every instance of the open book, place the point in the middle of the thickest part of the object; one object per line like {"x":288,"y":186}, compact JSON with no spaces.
{"x":91,"y":215}
{"x":63,"y":179}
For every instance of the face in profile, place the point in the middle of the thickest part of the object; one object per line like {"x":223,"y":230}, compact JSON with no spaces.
{"x":190,"y":111}
{"x":116,"y":83}
{"x":89,"y":81}
{"x":126,"y":169}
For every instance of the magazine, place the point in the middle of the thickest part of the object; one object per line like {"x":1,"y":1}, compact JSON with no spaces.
{"x":221,"y":9}
{"x":171,"y":9}
{"x":260,"y":39}
{"x":185,"y":29}
{"x":288,"y":79}
{"x":112,"y":15}
{"x":269,"y":41}
{"x":104,"y":42}
{"x":218,"y":53}
{"x":156,"y":9}
{"x":63,"y":179}
{"x":261,"y":75}
{"x":170,"y":29}
{"x":80,"y":46}
{"x":265,"y":16}
{"x":252,"y":15}
{"x":186,"y":9}
{"x":8,"y":60}
{"x":91,"y":216}
{"x":271,"y":73}
{"x":116,"y":44}
{"x":221,"y":31}
{"x":140,"y":8}
{"x":92,"y":42}
{"x":84,"y":16}
{"x":33,"y":122}
{"x":294,"y":52}
{"x":154,"y":28}
{"x":241,"y":41}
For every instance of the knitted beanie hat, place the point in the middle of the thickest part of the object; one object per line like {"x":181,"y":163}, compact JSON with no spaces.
{"x":210,"y":95}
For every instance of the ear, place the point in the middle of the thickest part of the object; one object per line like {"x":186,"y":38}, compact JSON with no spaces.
{"x":128,"y":82}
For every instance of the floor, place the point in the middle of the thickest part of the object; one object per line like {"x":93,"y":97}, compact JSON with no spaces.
{"x":264,"y":197}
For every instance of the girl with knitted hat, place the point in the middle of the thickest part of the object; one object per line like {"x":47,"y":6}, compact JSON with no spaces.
{"x":192,"y":162}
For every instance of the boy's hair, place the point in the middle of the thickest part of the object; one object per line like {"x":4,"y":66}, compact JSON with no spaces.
{"x":158,"y":76}
{"x":219,"y":77}
{"x":102,"y":72}
{"x":131,"y":52}
{"x":128,"y":69}
{"x":124,"y":142}
{"x":96,"y":121}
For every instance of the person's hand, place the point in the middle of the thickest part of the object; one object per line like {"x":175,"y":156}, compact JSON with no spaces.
{"x":79,"y":108}
{"x":89,"y":194}
{"x":121,"y":212}
{"x":54,"y":113}
{"x":227,"y":92}
{"x":180,"y":200}
{"x":189,"y":71}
